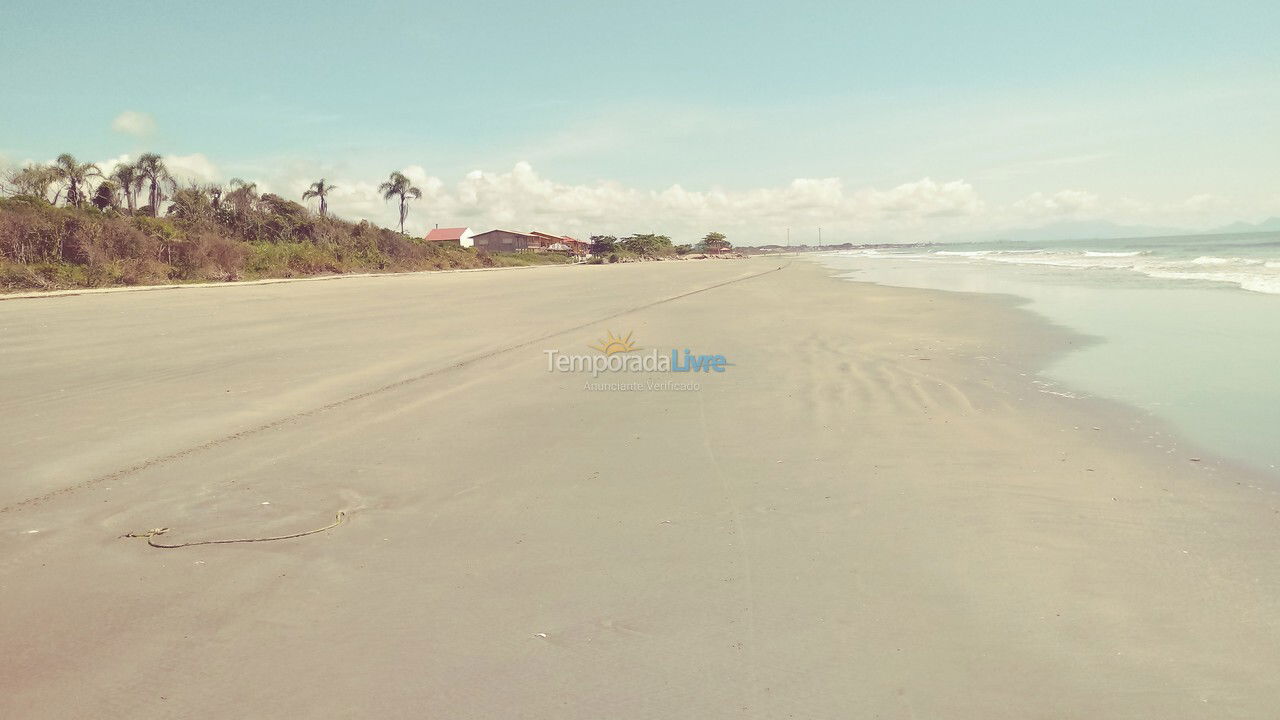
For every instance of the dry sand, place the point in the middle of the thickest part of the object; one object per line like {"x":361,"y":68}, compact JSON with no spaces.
{"x":873,"y":513}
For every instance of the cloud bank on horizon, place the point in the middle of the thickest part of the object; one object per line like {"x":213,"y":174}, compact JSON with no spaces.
{"x":522,"y":199}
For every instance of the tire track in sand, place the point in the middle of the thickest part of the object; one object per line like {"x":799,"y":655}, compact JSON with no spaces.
{"x":289,"y":419}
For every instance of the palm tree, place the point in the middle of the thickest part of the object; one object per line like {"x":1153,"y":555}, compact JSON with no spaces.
{"x":216,"y":192}
{"x":320,"y":190}
{"x":192,"y":203}
{"x":242,"y":194}
{"x":399,"y":186}
{"x":151,"y":169}
{"x":126,"y":175}
{"x":76,"y":176}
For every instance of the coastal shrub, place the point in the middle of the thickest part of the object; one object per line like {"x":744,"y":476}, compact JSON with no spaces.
{"x":290,"y":260}
{"x":525,"y":258}
{"x":209,"y":255}
{"x":17,"y":276}
{"x":24,"y":201}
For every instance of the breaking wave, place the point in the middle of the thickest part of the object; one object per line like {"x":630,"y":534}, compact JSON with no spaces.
{"x":1171,"y":262}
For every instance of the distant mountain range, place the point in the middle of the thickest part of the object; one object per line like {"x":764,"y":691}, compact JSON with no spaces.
{"x":1271,"y":224}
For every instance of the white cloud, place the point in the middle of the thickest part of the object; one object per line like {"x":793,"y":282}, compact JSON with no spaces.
{"x":109,"y":165}
{"x":1205,"y":203}
{"x":192,"y":168}
{"x":132,"y":122}
{"x":1064,"y":203}
{"x":195,"y":167}
{"x":926,"y":198}
{"x":522,"y":199}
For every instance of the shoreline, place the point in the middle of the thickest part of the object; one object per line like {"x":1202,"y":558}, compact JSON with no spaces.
{"x":873,"y":511}
{"x":1132,"y":355}
{"x":71,"y":292}
{"x":1139,"y":427}
{"x":1128,"y":415}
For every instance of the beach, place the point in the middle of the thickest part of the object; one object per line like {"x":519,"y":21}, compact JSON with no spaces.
{"x":875,"y":510}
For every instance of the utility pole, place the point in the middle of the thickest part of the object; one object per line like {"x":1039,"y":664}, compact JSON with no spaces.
{"x":819,"y":239}
{"x":788,"y":238}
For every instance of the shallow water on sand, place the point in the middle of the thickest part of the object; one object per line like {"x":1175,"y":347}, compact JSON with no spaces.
{"x":1200,"y":353}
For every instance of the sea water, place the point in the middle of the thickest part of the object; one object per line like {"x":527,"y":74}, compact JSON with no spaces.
{"x":1189,"y":326}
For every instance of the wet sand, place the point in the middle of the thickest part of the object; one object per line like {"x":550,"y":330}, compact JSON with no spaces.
{"x":874,"y":512}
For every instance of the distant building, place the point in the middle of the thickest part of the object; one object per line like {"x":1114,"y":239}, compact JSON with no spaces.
{"x":504,"y":241}
{"x":562,"y":243}
{"x":514,"y":241}
{"x":453,"y":236}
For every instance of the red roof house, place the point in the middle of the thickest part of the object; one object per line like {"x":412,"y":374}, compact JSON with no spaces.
{"x":455,"y":236}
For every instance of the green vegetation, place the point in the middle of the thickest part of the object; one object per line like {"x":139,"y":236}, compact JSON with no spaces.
{"x":713,"y":242}
{"x":641,"y":246}
{"x":75,"y":176}
{"x":151,"y":170}
{"x":398,"y":186}
{"x":523,"y":258}
{"x":321,"y":190}
{"x":648,"y":246}
{"x":602,"y":245}
{"x":98,"y":236}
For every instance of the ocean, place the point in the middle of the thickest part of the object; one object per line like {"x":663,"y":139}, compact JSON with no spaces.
{"x":1188,"y":327}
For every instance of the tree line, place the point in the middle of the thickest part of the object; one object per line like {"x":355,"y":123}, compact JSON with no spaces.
{"x":75,"y":184}
{"x":647,"y":245}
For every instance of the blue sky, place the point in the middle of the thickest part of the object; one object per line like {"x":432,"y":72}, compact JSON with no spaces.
{"x":910,"y":121}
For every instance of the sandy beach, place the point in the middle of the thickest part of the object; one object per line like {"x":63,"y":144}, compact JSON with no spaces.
{"x":873,"y":512}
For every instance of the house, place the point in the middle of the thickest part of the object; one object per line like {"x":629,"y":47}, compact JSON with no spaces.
{"x":452,"y":236}
{"x":562,"y":243}
{"x":505,"y":241}
{"x":514,"y":241}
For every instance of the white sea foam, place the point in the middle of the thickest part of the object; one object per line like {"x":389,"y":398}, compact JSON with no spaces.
{"x":1253,"y":274}
{"x":1255,"y":282}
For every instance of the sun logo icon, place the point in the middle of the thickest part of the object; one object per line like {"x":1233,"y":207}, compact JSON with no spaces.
{"x":614,"y":344}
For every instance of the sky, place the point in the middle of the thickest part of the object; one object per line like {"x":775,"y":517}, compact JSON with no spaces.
{"x":878,"y":122}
